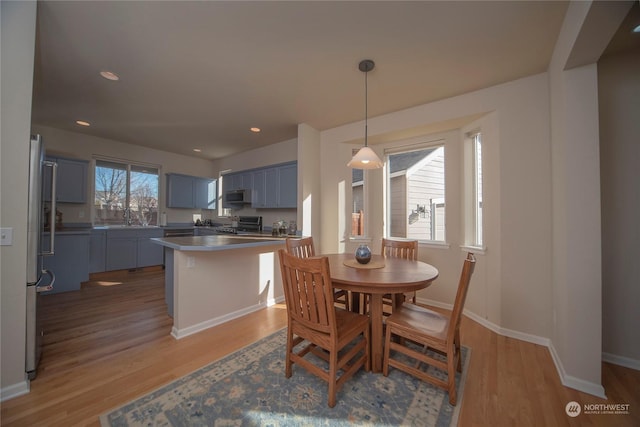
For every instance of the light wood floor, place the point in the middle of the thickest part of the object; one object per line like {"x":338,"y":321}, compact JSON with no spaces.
{"x":110,"y":343}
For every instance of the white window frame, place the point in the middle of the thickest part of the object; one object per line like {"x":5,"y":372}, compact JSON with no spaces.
{"x":474,"y":229}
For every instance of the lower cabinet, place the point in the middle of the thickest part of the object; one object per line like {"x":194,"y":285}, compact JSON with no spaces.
{"x":149,"y":253}
{"x":97,"y":251}
{"x":70,"y":263}
{"x":131,"y":248}
{"x":122,"y":253}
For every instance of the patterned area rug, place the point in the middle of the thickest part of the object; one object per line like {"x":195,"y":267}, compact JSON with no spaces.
{"x":249,"y":388}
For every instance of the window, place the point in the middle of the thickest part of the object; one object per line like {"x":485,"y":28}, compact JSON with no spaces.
{"x":474,"y":229}
{"x":357,"y":197}
{"x":125,"y":193}
{"x":416,"y":193}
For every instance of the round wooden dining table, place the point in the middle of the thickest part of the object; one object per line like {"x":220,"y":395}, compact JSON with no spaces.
{"x":381,"y":276}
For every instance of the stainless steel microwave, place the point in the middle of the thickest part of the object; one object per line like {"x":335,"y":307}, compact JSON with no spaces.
{"x":237,"y":197}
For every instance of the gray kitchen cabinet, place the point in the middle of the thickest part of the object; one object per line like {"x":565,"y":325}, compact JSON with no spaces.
{"x":131,"y":248}
{"x":70,"y":263}
{"x":205,"y":193}
{"x":265,"y":194}
{"x":148,"y":252}
{"x":205,"y":232}
{"x":288,"y":186}
{"x":122,"y":252}
{"x":97,"y":251}
{"x":276,"y":187}
{"x":71,"y":184}
{"x":185,"y":191}
{"x":237,"y":181}
{"x":273,"y":187}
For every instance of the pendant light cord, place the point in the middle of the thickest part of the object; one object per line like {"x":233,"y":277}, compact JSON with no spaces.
{"x":366,"y":108}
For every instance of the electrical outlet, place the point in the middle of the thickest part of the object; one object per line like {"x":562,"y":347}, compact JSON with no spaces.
{"x":81,"y":214}
{"x":191,"y":262}
{"x":6,"y":236}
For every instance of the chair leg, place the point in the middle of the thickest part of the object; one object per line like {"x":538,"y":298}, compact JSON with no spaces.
{"x":451,"y":375}
{"x":458,"y":351}
{"x":387,"y":345}
{"x":288,"y":363}
{"x":333,"y":373}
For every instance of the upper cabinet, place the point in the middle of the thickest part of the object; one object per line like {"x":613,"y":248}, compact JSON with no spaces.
{"x":185,"y":191}
{"x":71,"y":183}
{"x":272,"y":187}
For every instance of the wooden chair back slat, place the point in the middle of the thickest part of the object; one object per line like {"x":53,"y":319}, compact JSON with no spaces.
{"x":308,"y":291}
{"x":302,"y":248}
{"x":406,"y":249}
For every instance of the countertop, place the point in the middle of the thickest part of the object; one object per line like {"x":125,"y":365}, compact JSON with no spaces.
{"x":217,"y":242}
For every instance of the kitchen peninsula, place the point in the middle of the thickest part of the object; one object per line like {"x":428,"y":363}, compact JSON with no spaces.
{"x":212,"y":279}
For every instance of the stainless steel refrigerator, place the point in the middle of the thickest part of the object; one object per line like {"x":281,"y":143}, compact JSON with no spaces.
{"x":38,"y":279}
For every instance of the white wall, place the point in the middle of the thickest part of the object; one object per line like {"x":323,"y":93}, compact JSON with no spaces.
{"x":309,"y":219}
{"x":512,"y":288}
{"x":82,"y":146}
{"x":18,"y":43}
{"x":576,"y":248}
{"x":619,"y":109}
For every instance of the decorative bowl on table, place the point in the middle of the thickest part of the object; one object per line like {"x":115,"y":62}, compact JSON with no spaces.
{"x":363,"y":254}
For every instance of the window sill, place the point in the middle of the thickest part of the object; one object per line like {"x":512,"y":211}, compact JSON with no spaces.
{"x":359,"y":239}
{"x":478,"y":250}
{"x":434,"y":245}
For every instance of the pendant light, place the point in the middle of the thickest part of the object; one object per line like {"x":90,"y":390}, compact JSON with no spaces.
{"x":365,"y":158}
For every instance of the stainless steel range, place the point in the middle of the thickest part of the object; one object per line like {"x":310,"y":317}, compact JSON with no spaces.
{"x":252,"y":224}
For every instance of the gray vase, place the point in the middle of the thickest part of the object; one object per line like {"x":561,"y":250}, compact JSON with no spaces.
{"x":363,"y":254}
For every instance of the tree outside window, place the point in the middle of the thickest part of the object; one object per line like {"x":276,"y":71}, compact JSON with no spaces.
{"x":125,"y":191}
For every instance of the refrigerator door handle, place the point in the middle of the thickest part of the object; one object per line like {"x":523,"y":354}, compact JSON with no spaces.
{"x":52,"y":214}
{"x":49,"y":286}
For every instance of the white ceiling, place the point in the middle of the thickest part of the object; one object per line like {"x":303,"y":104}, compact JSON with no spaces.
{"x":200,"y":74}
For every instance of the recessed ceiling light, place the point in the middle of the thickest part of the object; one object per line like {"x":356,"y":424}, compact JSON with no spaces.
{"x":637,"y":29}
{"x":82,"y":123}
{"x":254,"y":130}
{"x":197,"y":150}
{"x":109,"y":75}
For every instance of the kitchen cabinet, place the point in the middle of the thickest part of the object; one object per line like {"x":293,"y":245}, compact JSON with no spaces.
{"x":149,"y":253}
{"x":189,"y":192}
{"x":288,"y":186}
{"x":205,"y":232}
{"x":97,"y":251}
{"x":276,"y":187}
{"x":131,"y":248}
{"x":237,"y":181}
{"x":71,"y":185}
{"x":70,"y":263}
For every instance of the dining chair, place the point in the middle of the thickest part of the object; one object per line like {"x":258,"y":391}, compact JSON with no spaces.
{"x":303,"y":248}
{"x":315,"y":326}
{"x":406,"y":249}
{"x":436,"y":332}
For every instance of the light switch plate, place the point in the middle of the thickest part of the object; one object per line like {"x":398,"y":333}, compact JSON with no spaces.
{"x":6,"y":236}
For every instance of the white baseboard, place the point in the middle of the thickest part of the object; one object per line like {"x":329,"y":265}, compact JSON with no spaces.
{"x":567,"y":380}
{"x":185,"y":332}
{"x":573,"y":382}
{"x":14,"y":390}
{"x":627,"y":362}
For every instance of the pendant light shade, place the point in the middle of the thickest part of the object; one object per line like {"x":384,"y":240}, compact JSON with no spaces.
{"x":365,"y":158}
